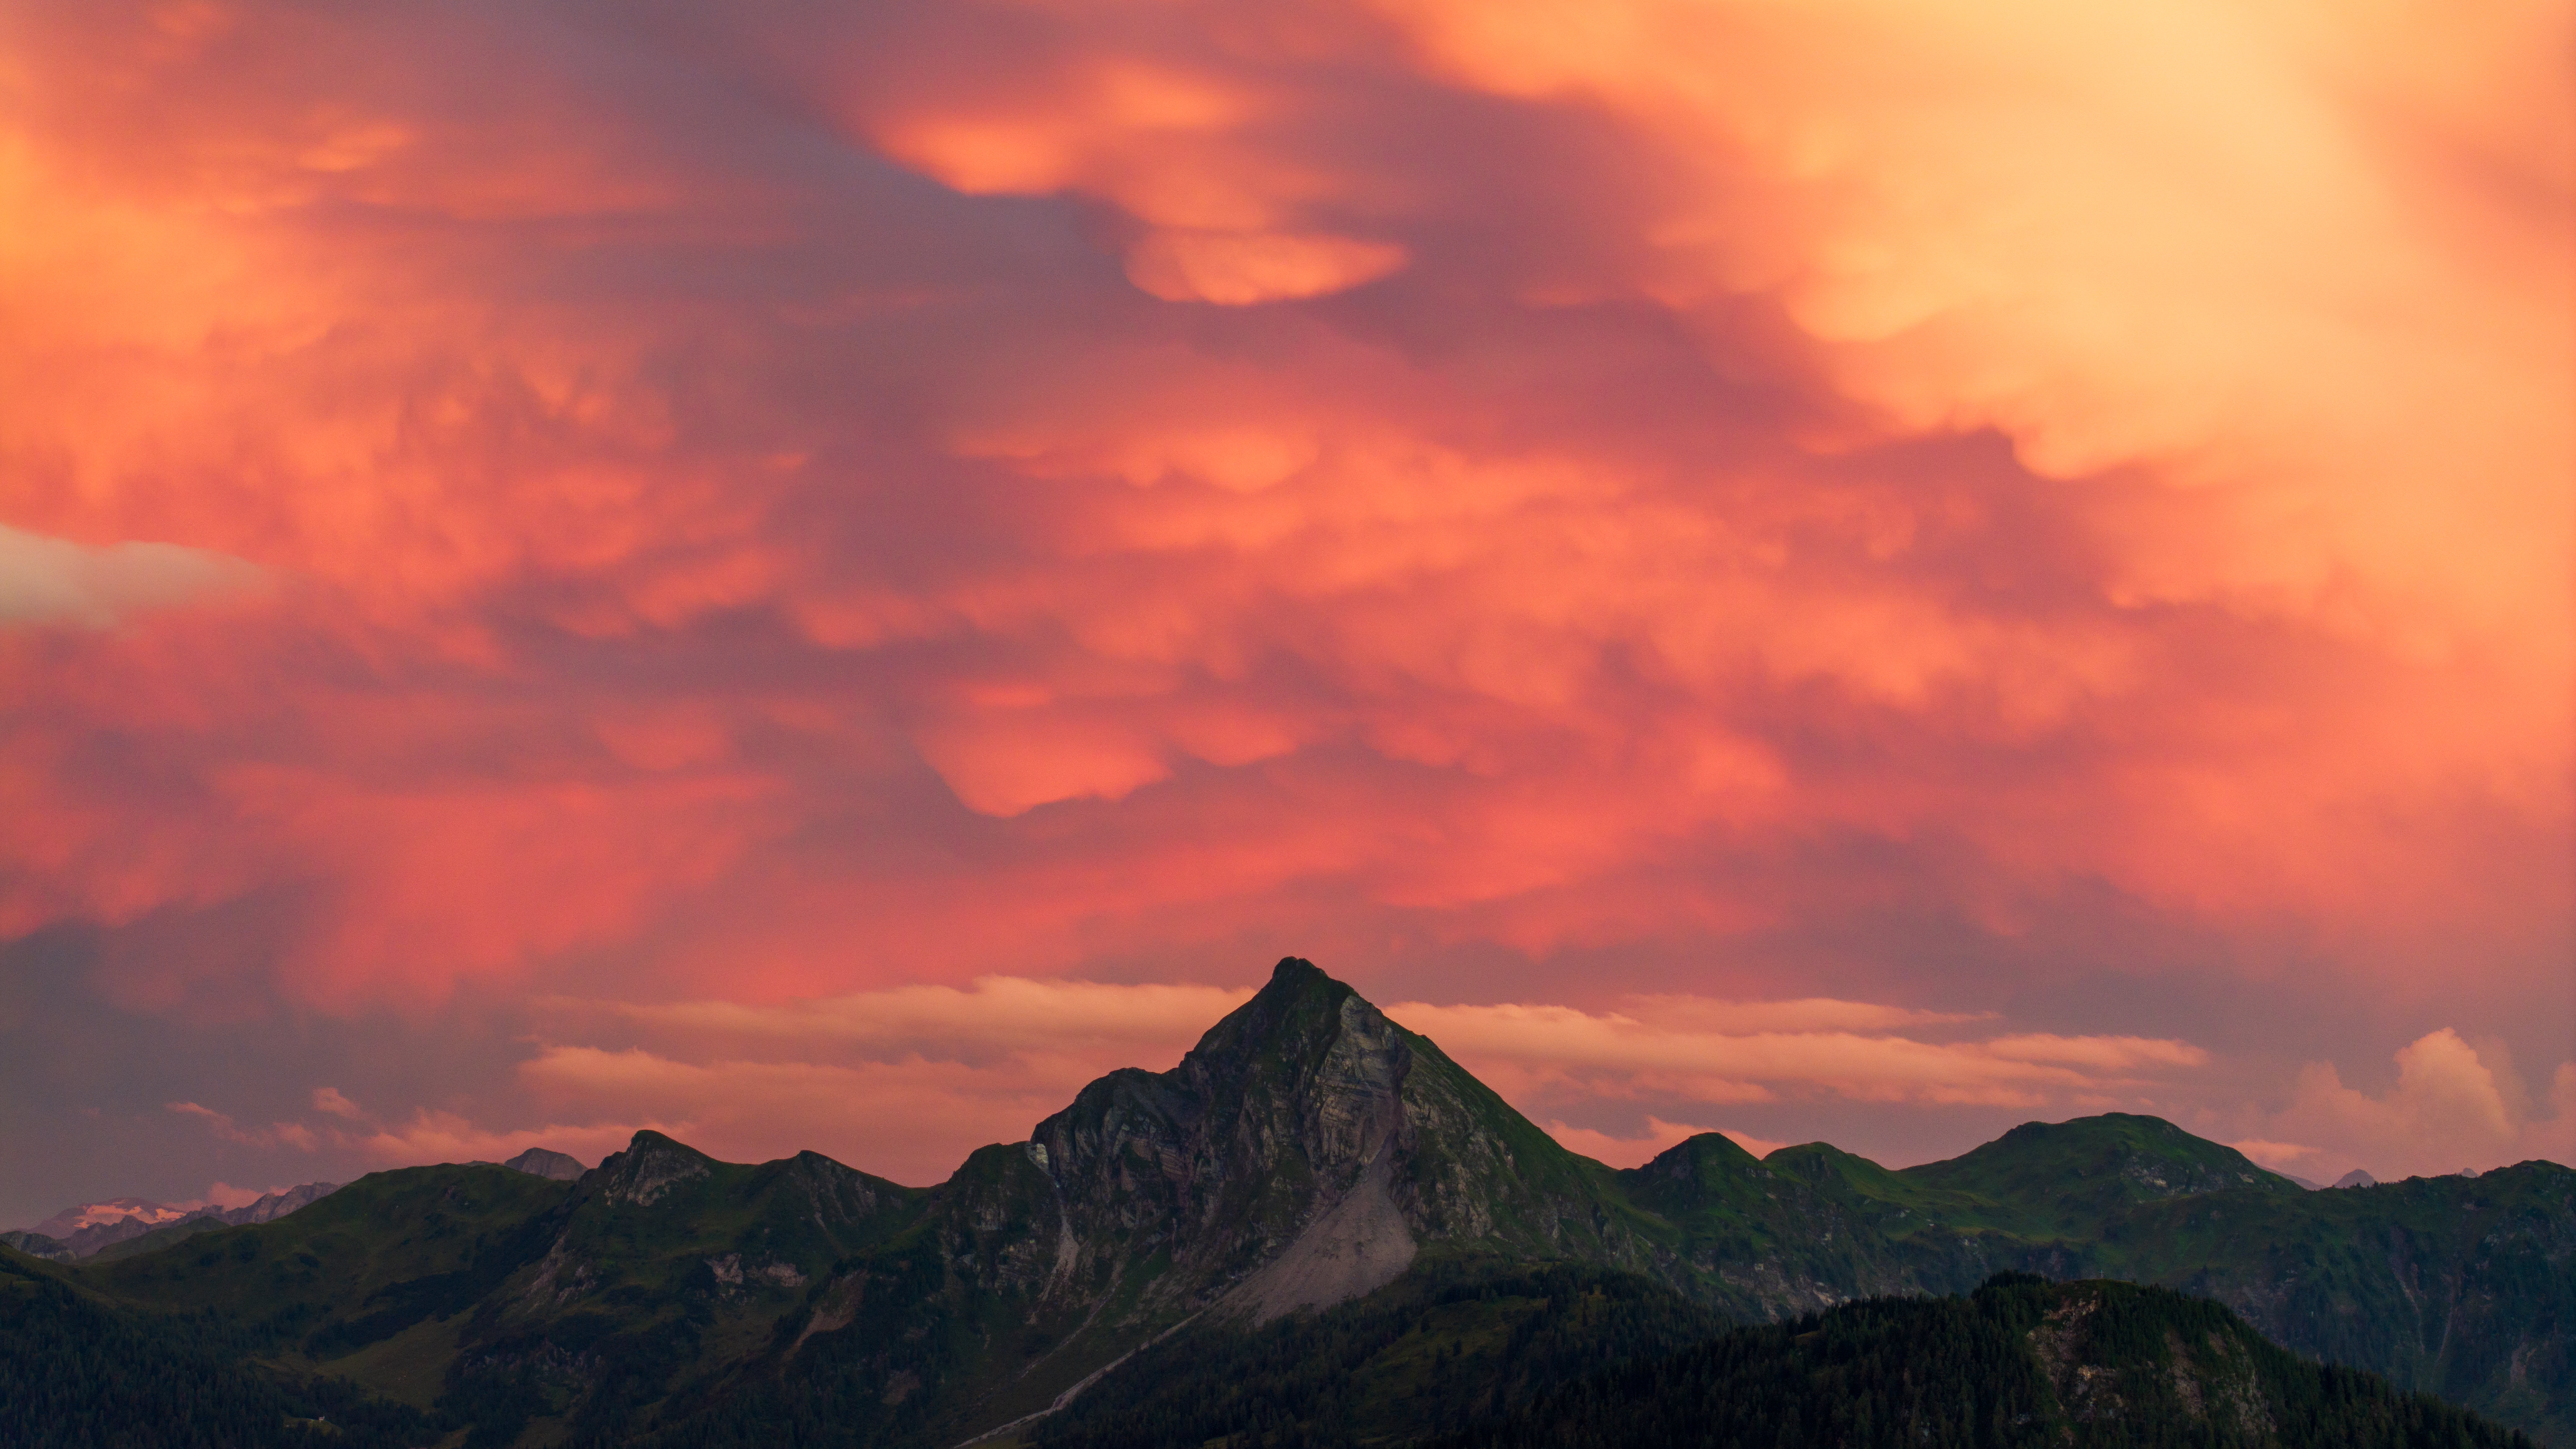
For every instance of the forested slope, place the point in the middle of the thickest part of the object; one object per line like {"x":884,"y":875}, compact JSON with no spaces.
{"x":79,"y":1374}
{"x":2021,"y":1364}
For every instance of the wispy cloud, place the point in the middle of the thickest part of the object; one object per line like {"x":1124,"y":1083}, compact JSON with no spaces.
{"x":275,"y":1134}
{"x":1621,"y":1151}
{"x":1011,"y":1012}
{"x":1682,"y":1048}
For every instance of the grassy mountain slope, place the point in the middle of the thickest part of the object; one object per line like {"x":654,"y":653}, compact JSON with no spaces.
{"x":154,"y":1241}
{"x":2067,"y":1179}
{"x":1476,"y":1173}
{"x":658,"y":1277}
{"x":1803,"y":1229}
{"x":501,"y":1297}
{"x":361,"y":1265}
{"x":79,"y":1373}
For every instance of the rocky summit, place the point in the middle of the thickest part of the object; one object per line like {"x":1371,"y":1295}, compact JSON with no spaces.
{"x":1311,"y":1175}
{"x":1300,"y":1155}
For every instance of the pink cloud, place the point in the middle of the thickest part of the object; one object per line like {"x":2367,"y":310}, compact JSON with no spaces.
{"x":433,"y":1136}
{"x":275,"y":1134}
{"x":994,"y":1011}
{"x":1757,"y":520}
{"x":225,"y":1195}
{"x":2451,"y":1107}
{"x":1637,"y":1151}
{"x":335,"y":1102}
{"x":1705,"y":1062}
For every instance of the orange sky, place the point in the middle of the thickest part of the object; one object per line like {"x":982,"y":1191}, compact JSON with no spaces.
{"x":815,"y":575}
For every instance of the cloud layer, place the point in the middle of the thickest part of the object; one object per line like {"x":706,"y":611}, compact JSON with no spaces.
{"x":2050,"y":521}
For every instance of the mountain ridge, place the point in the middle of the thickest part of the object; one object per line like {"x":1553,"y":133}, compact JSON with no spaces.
{"x":1307,"y":1153}
{"x":142,"y":1225}
{"x":81,"y":1231}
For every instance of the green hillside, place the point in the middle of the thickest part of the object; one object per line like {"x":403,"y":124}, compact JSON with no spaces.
{"x":363,"y":1264}
{"x":77,"y":1373}
{"x":2068,"y":1179}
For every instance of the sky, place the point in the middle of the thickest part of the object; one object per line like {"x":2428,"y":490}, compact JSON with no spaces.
{"x":816,"y":575}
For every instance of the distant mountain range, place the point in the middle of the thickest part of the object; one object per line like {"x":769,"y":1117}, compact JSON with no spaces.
{"x":1313,"y":1175}
{"x":91,"y":1228}
{"x":78,"y":1232}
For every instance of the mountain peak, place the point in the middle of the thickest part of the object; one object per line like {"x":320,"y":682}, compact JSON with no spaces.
{"x":650,"y":1167}
{"x":1297,"y":980}
{"x":1299,"y":1155}
{"x":1292,"y":1019}
{"x":2089,"y":1165}
{"x":545,"y":1162}
{"x":1699,"y":1153}
{"x":1296,"y":971}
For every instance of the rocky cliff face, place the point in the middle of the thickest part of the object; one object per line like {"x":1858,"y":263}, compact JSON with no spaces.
{"x":1287,"y":1110}
{"x":1302,"y":1154}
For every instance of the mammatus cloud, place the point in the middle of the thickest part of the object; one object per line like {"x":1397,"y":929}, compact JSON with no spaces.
{"x":2050,"y":511}
{"x":1239,"y":269}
